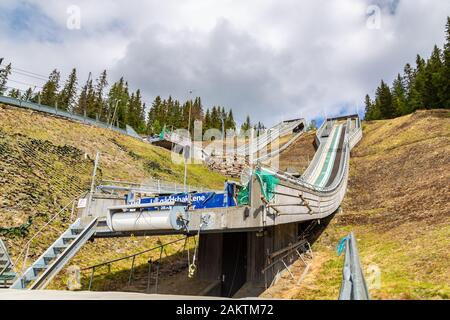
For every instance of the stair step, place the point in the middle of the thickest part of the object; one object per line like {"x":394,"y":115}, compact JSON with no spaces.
{"x":76,"y":231}
{"x":67,"y":240}
{"x":7,"y":276}
{"x":59,"y":250}
{"x":34,"y":277}
{"x":39,"y":269}
{"x":47,"y":260}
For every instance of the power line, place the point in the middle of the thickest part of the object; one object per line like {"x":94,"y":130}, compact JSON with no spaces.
{"x":25,"y":83}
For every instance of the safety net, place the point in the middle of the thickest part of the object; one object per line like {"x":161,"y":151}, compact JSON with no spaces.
{"x":267,"y":181}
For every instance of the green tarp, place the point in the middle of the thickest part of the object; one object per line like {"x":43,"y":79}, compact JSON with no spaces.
{"x":267,"y":181}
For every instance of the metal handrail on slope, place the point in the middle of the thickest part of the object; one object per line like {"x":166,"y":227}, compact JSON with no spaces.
{"x":133,"y":256}
{"x":353,"y":286}
{"x":26,"y":247}
{"x":61,"y":113}
{"x":271,"y":134}
{"x":9,"y":263}
{"x":280,"y":150}
{"x":301,"y":182}
{"x":150,"y":186}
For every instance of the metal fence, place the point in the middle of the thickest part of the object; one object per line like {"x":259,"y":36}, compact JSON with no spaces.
{"x":354,"y":285}
{"x":68,"y":115}
{"x":150,"y":186}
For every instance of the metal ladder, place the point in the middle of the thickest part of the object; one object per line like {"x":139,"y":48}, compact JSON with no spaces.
{"x":7,"y":274}
{"x":42,"y":271}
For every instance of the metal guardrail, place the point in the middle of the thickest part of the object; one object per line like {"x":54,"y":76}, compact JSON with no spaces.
{"x":61,"y":113}
{"x":155,"y":186}
{"x":160,"y":247}
{"x":270,"y":135}
{"x":280,"y":150}
{"x":353,"y":286}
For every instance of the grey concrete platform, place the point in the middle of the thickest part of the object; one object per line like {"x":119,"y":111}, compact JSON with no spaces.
{"x":9,"y":294}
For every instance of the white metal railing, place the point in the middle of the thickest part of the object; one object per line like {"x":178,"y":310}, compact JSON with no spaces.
{"x":26,"y":248}
{"x":339,"y":177}
{"x":263,"y":140}
{"x":155,"y":186}
{"x":353,"y":285}
{"x":61,"y":113}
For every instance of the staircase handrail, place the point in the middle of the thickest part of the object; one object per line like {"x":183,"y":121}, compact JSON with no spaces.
{"x":26,"y":247}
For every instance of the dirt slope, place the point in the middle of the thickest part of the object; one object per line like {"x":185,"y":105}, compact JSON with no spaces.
{"x":47,"y":161}
{"x":398,"y":205}
{"x":297,"y":157}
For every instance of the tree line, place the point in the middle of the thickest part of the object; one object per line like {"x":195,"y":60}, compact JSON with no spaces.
{"x":172,"y":114}
{"x":118,"y":105}
{"x":425,"y":86}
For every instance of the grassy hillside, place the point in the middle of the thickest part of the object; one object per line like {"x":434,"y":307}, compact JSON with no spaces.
{"x":47,"y":161}
{"x":398,"y":205}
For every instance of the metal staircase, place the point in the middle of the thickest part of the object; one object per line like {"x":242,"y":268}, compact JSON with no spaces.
{"x":7,"y":273}
{"x":42,"y":271}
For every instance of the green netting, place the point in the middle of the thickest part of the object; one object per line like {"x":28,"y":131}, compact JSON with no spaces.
{"x":242,"y":196}
{"x":267,"y":181}
{"x":163,"y":133}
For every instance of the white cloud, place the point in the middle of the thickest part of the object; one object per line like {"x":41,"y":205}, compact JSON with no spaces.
{"x":271,"y":59}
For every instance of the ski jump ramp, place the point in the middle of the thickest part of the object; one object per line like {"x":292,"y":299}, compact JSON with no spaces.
{"x":272,"y":197}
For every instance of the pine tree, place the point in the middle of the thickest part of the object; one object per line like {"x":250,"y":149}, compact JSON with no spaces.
{"x":135,"y":116}
{"x":399,"y":97}
{"x":444,"y":87}
{"x":230,"y":123}
{"x":432,"y":81}
{"x":100,"y":103}
{"x":14,"y":93}
{"x":371,"y":111}
{"x":207,"y":121}
{"x":117,"y":103}
{"x":152,"y":117}
{"x":215,"y":120}
{"x":153,"y":124}
{"x":67,"y":95}
{"x":80,"y":108}
{"x":246,"y":125}
{"x":27,"y":95}
{"x":417,"y":91}
{"x":49,"y":94}
{"x":4,"y":74}
{"x":91,"y":101}
{"x":383,"y":101}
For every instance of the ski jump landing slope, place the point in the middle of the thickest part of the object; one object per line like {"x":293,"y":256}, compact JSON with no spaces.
{"x":317,"y":194}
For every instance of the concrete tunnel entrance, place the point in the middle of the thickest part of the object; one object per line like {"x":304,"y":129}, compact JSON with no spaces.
{"x":231,"y":261}
{"x":234,"y":263}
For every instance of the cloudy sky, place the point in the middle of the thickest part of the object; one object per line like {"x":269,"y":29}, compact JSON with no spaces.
{"x":273,"y":60}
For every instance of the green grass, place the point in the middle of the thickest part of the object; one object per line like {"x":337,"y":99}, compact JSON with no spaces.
{"x":397,"y":206}
{"x":47,"y":161}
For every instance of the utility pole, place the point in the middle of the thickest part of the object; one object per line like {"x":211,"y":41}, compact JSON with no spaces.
{"x":185,"y":149}
{"x":85,"y":100}
{"x":114,"y":113}
{"x":94,"y":173}
{"x":223,"y":127}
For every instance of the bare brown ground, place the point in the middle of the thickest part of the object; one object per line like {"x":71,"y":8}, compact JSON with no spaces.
{"x":299,"y":154}
{"x":398,"y":205}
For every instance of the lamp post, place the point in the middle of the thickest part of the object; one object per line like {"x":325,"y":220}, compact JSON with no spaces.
{"x":185,"y":149}
{"x":114,"y":113}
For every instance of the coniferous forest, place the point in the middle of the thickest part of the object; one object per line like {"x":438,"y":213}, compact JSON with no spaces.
{"x":118,"y":105}
{"x":423,"y":86}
